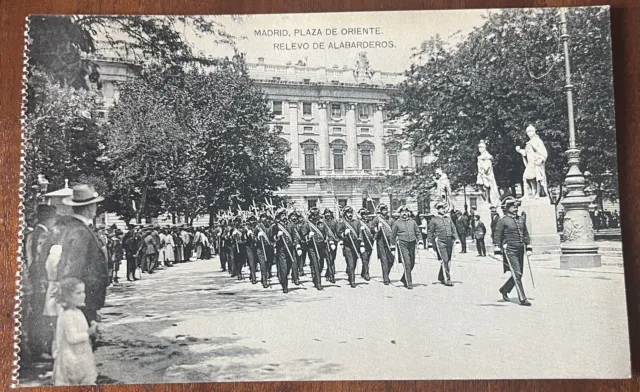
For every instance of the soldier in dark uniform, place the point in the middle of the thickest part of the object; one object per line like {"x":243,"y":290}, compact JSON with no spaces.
{"x":349,"y":232}
{"x":228,"y":247}
{"x":462,"y":226}
{"x":131,"y":244}
{"x":405,"y":233}
{"x":331,"y":245}
{"x":366,"y":235}
{"x":263,"y":246}
{"x":284,"y":234}
{"x":265,"y":223}
{"x":221,"y":244}
{"x":442,"y":235}
{"x":314,"y":233}
{"x":301,"y":254}
{"x":512,"y":241}
{"x":252,"y":247}
{"x":382,"y":225}
{"x":239,"y":244}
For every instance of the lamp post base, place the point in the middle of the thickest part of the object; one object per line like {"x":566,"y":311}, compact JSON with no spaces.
{"x":579,"y":250}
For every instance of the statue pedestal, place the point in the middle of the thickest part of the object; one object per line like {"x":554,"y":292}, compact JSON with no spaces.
{"x":541,"y":224}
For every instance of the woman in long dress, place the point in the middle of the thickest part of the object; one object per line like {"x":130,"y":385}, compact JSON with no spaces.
{"x":169,"y":257}
{"x":486,"y":178}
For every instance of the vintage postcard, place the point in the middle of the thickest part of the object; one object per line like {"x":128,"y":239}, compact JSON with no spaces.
{"x":330,"y":196}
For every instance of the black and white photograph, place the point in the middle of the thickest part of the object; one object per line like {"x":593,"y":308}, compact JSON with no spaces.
{"x":397,"y":195}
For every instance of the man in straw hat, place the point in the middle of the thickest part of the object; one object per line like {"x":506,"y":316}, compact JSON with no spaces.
{"x":83,"y":255}
{"x":442,"y":235}
{"x":512,"y":242}
{"x":406,"y":234}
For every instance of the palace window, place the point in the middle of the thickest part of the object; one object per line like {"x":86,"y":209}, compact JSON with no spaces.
{"x":306,"y":109}
{"x":343,"y":202}
{"x":309,"y":147}
{"x":277,"y":108}
{"x":312,"y":203}
{"x":366,"y":150}
{"x":336,"y":110}
{"x":365,"y":131}
{"x":366,"y":160}
{"x":338,"y":160}
{"x":337,"y":131}
{"x":339,"y":149}
{"x":364,"y":112}
{"x":393,"y":160}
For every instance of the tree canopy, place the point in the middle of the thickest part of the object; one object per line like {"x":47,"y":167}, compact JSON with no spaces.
{"x":504,"y":75}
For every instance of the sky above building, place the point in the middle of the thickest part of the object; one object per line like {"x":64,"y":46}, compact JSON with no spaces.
{"x":326,"y":39}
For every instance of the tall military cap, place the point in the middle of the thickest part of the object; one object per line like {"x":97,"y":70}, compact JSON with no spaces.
{"x":252,"y":218}
{"x":327,"y":211}
{"x":439,"y":205}
{"x":281,"y":211}
{"x":382,"y":206}
{"x":403,"y":208}
{"x":363,"y":211}
{"x":314,"y":211}
{"x":347,"y":209}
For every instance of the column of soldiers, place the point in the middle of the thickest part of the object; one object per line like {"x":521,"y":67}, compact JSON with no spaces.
{"x":287,"y":239}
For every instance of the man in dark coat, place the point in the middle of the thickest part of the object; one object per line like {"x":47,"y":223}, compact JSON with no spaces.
{"x":262,"y":246}
{"x":131,"y":244}
{"x":239,"y":242}
{"x":479,"y":232}
{"x":462,"y":226}
{"x":83,"y":255}
{"x":494,"y":221}
{"x":405,"y":233}
{"x":382,"y":225}
{"x":512,"y":242}
{"x":442,"y":235}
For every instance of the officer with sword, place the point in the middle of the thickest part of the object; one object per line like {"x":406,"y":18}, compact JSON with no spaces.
{"x":441,"y":235}
{"x":284,"y":234}
{"x":331,"y":244}
{"x":512,"y":242}
{"x":366,"y":235}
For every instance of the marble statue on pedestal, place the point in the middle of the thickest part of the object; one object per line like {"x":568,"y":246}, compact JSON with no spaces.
{"x":443,"y":190}
{"x":534,"y":156}
{"x":486,"y":178}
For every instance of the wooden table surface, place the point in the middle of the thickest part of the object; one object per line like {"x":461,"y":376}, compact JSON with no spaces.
{"x":625,"y":16}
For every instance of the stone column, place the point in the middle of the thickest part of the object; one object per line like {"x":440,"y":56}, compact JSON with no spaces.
{"x":378,"y":138}
{"x":325,"y":153}
{"x":293,"y":138}
{"x":352,"y":137}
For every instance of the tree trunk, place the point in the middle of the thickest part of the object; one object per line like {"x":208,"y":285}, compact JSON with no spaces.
{"x":143,"y":199}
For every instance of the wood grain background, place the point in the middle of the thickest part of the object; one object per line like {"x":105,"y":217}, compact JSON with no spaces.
{"x":625,"y":15}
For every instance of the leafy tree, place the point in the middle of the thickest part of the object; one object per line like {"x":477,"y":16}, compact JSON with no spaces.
{"x":199,"y":140}
{"x":506,"y":74}
{"x":62,"y":139}
{"x":59,"y":45}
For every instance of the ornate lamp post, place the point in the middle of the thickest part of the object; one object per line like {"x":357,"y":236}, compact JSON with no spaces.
{"x":579,"y":248}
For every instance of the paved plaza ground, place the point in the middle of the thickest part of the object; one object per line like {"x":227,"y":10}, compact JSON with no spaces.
{"x":194,"y":323}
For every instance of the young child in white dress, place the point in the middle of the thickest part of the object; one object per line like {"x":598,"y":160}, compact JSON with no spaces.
{"x":74,"y":363}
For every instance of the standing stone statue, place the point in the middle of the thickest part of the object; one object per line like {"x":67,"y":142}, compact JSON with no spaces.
{"x":443,"y":190}
{"x":534,"y":156}
{"x":486,"y":178}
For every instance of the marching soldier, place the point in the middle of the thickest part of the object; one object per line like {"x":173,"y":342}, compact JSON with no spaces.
{"x":349,"y":232}
{"x":366,"y":236}
{"x":382,"y":230}
{"x":301,"y":254}
{"x":405,"y":233}
{"x":263,"y":245}
{"x":512,"y":242}
{"x":221,"y":244}
{"x":331,"y":245}
{"x":265,"y":224}
{"x":442,"y":235}
{"x":252,"y":247}
{"x":284,"y":234}
{"x":239,"y":244}
{"x":314,"y":233}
